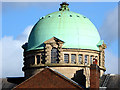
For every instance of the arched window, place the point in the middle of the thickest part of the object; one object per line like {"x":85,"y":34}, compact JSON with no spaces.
{"x":54,"y":55}
{"x":80,"y":58}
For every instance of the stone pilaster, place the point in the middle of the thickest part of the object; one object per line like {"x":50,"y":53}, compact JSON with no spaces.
{"x":98,"y":60}
{"x":103,"y":55}
{"x":76,"y":58}
{"x":101,"y":59}
{"x":48,"y":53}
{"x":60,"y":57}
{"x":87,"y":74}
{"x":69,"y":58}
{"x":40,"y":58}
{"x":83,"y":59}
{"x":89,"y":59}
{"x":35,"y":60}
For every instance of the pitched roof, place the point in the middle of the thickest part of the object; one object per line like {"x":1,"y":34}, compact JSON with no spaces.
{"x":48,"y":78}
{"x":53,"y":39}
{"x":110,"y":81}
{"x":4,"y":84}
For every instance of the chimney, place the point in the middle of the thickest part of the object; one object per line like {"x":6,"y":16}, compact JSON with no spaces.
{"x":94,"y":76}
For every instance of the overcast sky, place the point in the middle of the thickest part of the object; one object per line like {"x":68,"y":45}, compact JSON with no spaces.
{"x":18,"y":18}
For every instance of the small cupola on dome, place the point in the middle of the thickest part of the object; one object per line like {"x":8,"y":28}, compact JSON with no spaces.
{"x":64,"y":6}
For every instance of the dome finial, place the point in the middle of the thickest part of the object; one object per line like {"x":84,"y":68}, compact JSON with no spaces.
{"x":64,"y":6}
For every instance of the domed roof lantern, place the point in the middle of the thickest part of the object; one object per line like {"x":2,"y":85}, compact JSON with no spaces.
{"x":64,"y":6}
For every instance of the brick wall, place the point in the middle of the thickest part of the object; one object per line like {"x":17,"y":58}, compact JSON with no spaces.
{"x":94,"y":76}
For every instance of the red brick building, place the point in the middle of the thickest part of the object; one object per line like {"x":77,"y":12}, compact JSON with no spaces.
{"x":48,"y":78}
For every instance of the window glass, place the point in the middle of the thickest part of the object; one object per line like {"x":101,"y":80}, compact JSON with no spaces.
{"x":80,"y":58}
{"x":38,"y":59}
{"x":86,"y":59}
{"x":66,"y":58}
{"x":91,"y":59}
{"x":73,"y":58}
{"x":54,"y":55}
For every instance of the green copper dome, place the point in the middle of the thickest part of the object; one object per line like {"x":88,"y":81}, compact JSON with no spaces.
{"x":74,"y":29}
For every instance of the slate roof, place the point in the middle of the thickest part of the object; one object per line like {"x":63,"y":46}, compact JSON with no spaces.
{"x":6,"y":85}
{"x":110,"y":81}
